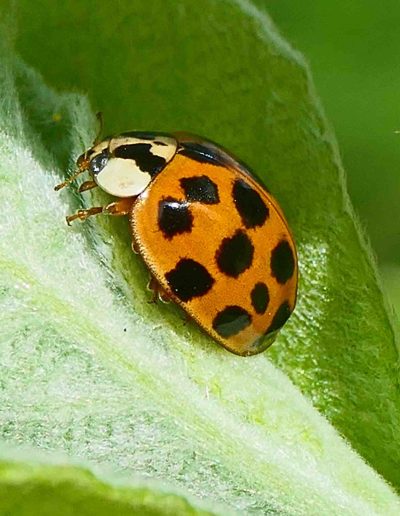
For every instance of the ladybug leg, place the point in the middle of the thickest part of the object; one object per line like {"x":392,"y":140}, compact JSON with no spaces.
{"x":87,"y":185}
{"x":118,"y":208}
{"x":152,"y":285}
{"x":121,"y":207}
{"x":158,"y":293}
{"x":84,"y":214}
{"x":135,"y":248}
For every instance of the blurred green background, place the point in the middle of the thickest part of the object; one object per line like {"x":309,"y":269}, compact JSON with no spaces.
{"x":353,"y":48}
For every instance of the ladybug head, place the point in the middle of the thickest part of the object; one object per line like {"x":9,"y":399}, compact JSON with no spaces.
{"x":84,"y":163}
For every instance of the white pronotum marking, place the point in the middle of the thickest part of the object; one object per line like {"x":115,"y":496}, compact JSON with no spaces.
{"x":122,"y":178}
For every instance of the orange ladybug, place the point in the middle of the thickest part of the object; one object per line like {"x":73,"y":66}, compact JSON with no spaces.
{"x":214,"y":239}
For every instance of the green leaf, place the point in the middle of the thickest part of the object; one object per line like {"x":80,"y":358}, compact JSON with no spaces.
{"x":391,"y":277}
{"x":46,"y":485}
{"x":90,"y":367}
{"x":220,"y":69}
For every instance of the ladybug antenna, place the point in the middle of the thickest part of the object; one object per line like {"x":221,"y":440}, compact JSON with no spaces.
{"x":83,"y":165}
{"x":83,"y":160}
{"x":69,"y":180}
{"x":100,"y":120}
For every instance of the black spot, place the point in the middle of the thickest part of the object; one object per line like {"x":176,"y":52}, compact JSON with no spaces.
{"x":201,"y":153}
{"x":140,"y":152}
{"x":249,"y":204}
{"x":280,"y":317}
{"x":200,"y":189}
{"x":282,"y":262}
{"x":163,"y":144}
{"x":189,"y":279}
{"x":231,"y":320}
{"x":174,"y":217}
{"x":235,"y":254}
{"x":260,"y":297}
{"x":99,"y":162}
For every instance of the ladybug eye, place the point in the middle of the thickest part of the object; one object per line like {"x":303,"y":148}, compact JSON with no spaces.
{"x":99,"y":162}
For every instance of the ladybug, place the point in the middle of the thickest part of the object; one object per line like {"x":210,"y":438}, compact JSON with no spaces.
{"x":213,"y":238}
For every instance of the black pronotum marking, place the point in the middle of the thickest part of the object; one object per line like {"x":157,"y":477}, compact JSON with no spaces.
{"x":189,"y":279}
{"x":231,"y":320}
{"x":249,"y":204}
{"x":280,"y":317}
{"x":260,"y":297}
{"x":235,"y":254}
{"x":141,"y":153}
{"x":99,"y":162}
{"x":174,"y":217}
{"x":201,"y":153}
{"x":158,"y":142}
{"x":282,"y":262}
{"x":88,"y":153}
{"x":200,"y":189}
